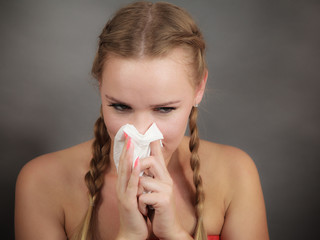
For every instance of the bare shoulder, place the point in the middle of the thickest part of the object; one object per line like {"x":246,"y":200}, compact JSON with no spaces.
{"x":220,"y":159}
{"x":54,"y":168}
{"x":231,"y":161}
{"x":224,"y":168}
{"x":42,"y":189}
{"x":230,"y":172}
{"x":232,"y":167}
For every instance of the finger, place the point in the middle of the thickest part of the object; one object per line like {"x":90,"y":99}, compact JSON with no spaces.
{"x":155,"y":147}
{"x":132,"y":188}
{"x":140,"y":188}
{"x":155,"y":200}
{"x":152,"y":185}
{"x":142,"y":207}
{"x":151,"y":167}
{"x":125,"y":162}
{"x":156,"y":151}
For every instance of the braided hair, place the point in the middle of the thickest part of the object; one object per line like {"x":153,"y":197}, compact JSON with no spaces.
{"x":137,"y":30}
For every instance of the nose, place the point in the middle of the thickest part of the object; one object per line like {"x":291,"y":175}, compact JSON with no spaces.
{"x":142,"y":122}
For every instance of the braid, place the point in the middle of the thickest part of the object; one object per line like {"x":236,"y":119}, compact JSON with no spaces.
{"x":100,"y":161}
{"x":94,"y":177}
{"x":200,"y":233}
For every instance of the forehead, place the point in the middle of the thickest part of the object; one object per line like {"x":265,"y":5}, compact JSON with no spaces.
{"x":160,"y":73}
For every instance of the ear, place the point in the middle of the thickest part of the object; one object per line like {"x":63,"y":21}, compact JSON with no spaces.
{"x":200,"y":89}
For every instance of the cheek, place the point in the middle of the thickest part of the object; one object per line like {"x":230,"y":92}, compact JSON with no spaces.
{"x":173,"y":132}
{"x":113,"y":123}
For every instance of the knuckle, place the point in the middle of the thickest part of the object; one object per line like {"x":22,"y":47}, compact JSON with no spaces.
{"x":141,"y":199}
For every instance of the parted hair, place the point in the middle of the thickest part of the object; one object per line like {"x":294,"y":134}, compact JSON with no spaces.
{"x":144,"y":29}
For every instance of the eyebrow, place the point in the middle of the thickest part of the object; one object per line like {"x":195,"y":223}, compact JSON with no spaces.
{"x":155,"y":105}
{"x":113,"y":99}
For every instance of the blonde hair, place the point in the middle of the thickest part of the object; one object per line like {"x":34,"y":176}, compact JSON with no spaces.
{"x":144,"y":29}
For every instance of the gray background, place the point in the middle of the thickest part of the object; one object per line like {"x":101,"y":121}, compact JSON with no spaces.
{"x":263,"y":92}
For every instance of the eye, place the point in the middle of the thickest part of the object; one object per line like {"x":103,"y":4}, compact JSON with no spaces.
{"x":165,"y":109}
{"x":120,"y":107}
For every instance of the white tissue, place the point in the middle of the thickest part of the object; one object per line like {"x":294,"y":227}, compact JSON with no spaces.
{"x":140,"y":141}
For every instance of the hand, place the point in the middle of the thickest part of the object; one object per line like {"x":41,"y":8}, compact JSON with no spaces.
{"x":157,"y":192}
{"x":132,"y":223}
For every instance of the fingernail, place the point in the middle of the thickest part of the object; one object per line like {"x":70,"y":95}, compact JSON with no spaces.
{"x":125,"y":135}
{"x":136,"y":162}
{"x":128,"y":143}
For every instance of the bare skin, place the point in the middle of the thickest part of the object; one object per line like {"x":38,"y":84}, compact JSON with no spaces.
{"x":51,"y":195}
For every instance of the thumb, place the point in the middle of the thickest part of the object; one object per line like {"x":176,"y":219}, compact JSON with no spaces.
{"x":156,"y":151}
{"x":155,"y":148}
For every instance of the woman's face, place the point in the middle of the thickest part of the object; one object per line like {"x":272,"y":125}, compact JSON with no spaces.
{"x":145,"y":91}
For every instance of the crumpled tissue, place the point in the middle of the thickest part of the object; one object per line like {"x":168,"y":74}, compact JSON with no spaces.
{"x":140,"y":141}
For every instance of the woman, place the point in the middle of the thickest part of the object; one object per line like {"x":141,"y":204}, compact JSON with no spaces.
{"x":150,"y":67}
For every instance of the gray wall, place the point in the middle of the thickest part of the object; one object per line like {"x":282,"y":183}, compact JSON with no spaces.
{"x":263,"y":92}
